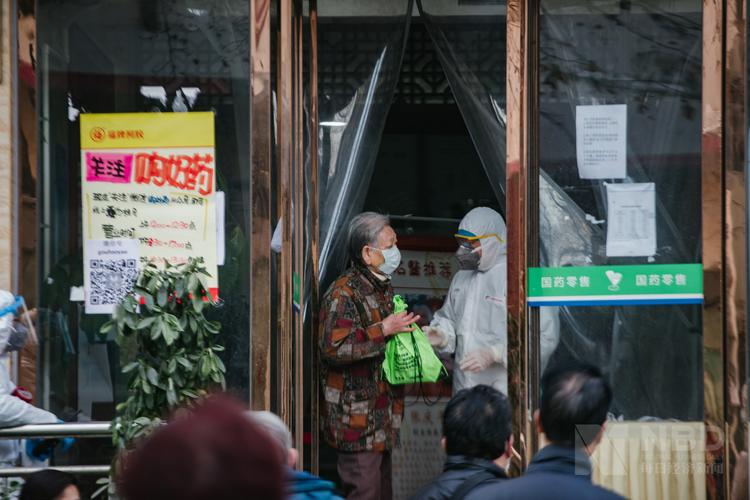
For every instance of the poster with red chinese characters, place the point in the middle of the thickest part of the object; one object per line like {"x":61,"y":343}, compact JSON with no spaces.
{"x":425,"y":272}
{"x":147,"y":181}
{"x":423,"y":280}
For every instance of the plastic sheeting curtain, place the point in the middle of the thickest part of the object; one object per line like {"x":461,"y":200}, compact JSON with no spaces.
{"x":359,"y":61}
{"x":475,"y":69}
{"x":479,"y":89}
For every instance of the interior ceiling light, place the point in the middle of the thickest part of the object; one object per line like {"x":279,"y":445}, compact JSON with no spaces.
{"x":332,"y":124}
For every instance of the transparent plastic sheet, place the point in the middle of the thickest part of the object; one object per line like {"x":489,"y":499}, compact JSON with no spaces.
{"x":470,"y":42}
{"x":360,"y":49}
{"x":649,"y":59}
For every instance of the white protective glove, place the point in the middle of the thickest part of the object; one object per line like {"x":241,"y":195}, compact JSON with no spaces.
{"x":479,"y":360}
{"x":436,"y":337}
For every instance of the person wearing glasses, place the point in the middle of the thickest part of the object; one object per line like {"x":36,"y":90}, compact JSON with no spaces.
{"x":472,"y":324}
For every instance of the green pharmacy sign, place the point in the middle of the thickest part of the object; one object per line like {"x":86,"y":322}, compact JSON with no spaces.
{"x":616,"y":285}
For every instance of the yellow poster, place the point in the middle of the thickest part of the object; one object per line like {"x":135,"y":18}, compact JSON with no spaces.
{"x":148,"y":183}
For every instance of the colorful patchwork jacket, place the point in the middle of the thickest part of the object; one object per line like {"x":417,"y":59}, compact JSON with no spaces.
{"x":361,"y":411}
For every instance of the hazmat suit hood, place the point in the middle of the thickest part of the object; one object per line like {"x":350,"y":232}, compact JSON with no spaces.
{"x":6,"y":320}
{"x":482,"y":221}
{"x":13,"y":336}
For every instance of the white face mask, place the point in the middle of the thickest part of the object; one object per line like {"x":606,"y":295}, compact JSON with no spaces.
{"x":392,"y":260}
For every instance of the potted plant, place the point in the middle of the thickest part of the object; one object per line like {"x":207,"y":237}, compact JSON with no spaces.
{"x":161,"y":327}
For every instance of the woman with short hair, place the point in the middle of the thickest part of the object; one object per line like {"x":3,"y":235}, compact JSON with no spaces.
{"x":361,"y":411}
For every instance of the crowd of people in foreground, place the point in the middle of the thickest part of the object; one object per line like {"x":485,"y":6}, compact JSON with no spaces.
{"x":478,"y":441}
{"x":221,"y":451}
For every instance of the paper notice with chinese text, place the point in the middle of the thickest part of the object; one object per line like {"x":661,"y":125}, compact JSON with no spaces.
{"x":631,"y":220}
{"x":601,"y":141}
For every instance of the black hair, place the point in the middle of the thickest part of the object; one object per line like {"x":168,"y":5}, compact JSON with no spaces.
{"x":26,"y":8}
{"x":575,"y":402}
{"x":477,"y":423}
{"x":46,"y":484}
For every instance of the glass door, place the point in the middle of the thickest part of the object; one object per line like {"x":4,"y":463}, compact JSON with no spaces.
{"x":617,"y":274}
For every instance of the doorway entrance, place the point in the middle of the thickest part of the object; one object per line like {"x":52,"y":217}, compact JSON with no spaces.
{"x":395,"y":139}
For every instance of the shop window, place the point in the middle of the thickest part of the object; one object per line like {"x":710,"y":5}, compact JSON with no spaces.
{"x":619,"y":244}
{"x":121,"y":56}
{"x":619,"y":151}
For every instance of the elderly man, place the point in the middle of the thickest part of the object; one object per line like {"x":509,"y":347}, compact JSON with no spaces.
{"x":300,"y":485}
{"x":361,"y":411}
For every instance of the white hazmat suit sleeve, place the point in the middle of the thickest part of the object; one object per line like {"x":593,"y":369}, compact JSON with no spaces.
{"x":442,"y":329}
{"x":15,"y":412}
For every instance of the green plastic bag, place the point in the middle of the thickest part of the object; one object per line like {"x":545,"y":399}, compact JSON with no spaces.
{"x":409,"y":358}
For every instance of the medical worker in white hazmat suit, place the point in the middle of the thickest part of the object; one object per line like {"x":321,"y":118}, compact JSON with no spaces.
{"x":472,"y":324}
{"x":13,"y":410}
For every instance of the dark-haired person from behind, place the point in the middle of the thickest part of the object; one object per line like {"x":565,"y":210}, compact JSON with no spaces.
{"x":210,"y":451}
{"x":572,"y":416}
{"x":478,"y":440}
{"x":50,"y":484}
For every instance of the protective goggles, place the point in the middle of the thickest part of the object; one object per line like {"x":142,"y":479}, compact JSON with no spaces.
{"x":17,"y":304}
{"x":469,"y":236}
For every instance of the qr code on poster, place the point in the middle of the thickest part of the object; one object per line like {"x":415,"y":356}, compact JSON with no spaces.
{"x":111,"y":280}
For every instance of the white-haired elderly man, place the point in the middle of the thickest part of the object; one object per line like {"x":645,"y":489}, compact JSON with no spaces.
{"x":361,"y":412}
{"x":301,"y":485}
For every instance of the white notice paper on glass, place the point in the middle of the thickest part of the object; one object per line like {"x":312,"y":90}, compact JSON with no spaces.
{"x":631,"y":220}
{"x":601,"y":141}
{"x":110,"y":268}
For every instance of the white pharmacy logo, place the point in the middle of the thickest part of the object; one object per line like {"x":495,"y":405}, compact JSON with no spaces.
{"x":614,"y":279}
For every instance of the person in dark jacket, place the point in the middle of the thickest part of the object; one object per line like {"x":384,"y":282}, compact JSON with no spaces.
{"x":572,"y":416}
{"x":50,"y":484}
{"x":478,"y":439}
{"x":300,"y":485}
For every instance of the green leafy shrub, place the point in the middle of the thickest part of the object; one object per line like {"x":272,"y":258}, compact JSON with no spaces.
{"x":174,"y":358}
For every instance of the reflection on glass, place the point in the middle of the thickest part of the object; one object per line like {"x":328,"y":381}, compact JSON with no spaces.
{"x":359,"y":64}
{"x":645,"y":56}
{"x":27,"y":148}
{"x":120,"y":56}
